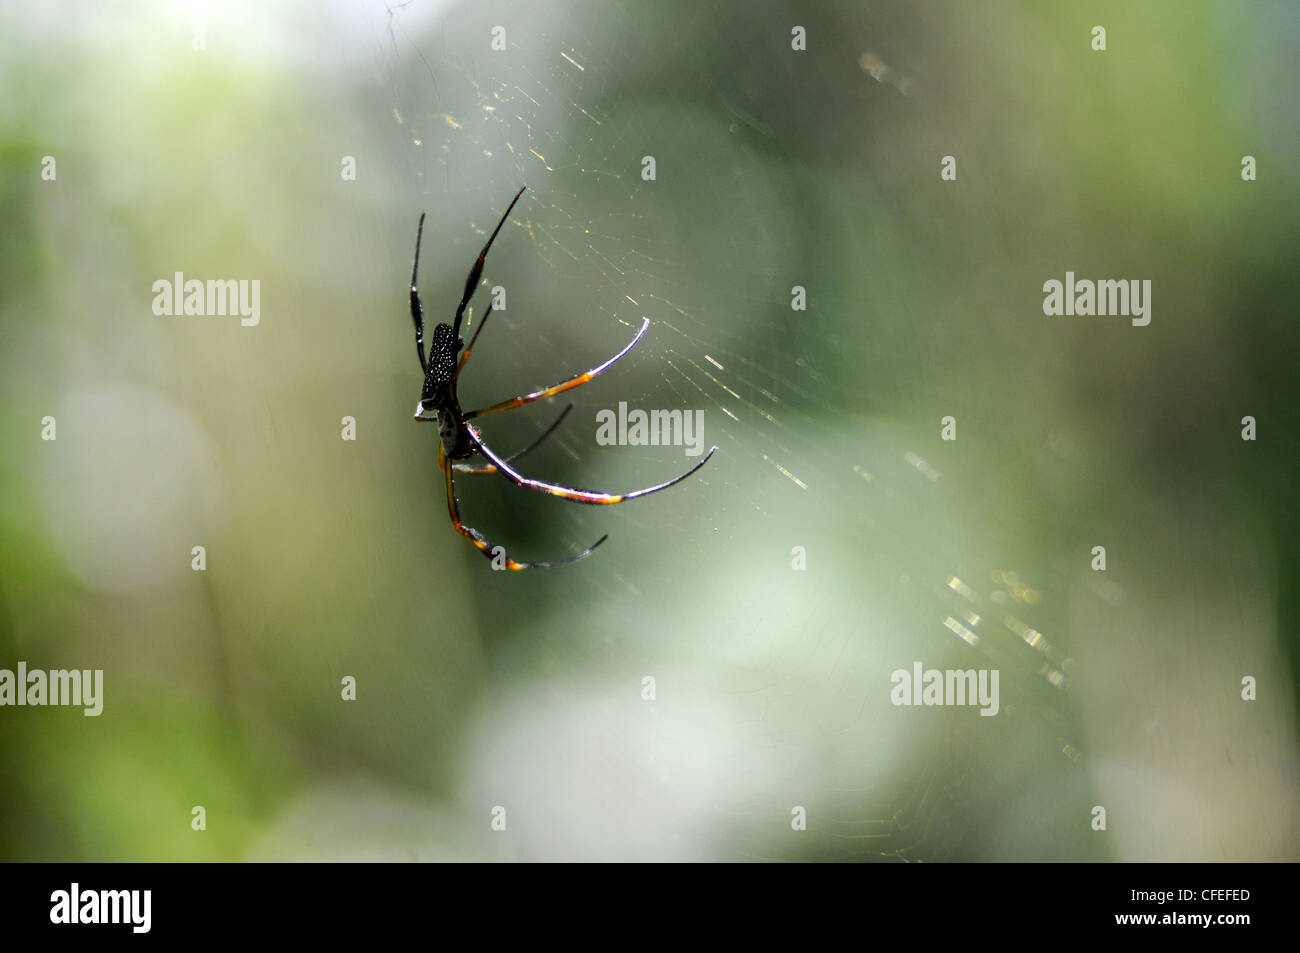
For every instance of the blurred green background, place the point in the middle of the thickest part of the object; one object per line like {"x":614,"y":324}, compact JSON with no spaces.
{"x":774,"y":168}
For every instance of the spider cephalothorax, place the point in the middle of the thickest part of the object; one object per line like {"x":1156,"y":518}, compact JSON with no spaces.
{"x":460,"y":441}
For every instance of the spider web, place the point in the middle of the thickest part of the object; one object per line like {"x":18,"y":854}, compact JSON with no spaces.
{"x":738,"y":213}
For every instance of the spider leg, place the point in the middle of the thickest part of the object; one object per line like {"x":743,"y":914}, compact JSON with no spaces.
{"x":561,"y":387}
{"x":568,"y":493}
{"x":476,"y":272}
{"x":417,"y":307}
{"x":482,"y":543}
{"x":489,"y":468}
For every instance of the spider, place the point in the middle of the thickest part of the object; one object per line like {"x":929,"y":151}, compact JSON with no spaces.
{"x":460,"y":441}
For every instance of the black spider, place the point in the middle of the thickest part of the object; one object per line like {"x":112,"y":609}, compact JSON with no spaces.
{"x":461,"y":440}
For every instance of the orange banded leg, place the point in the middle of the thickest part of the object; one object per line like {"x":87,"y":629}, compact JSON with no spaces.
{"x":481,"y":542}
{"x":558,"y":388}
{"x":489,"y":468}
{"x":473,"y":467}
{"x":568,"y":493}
